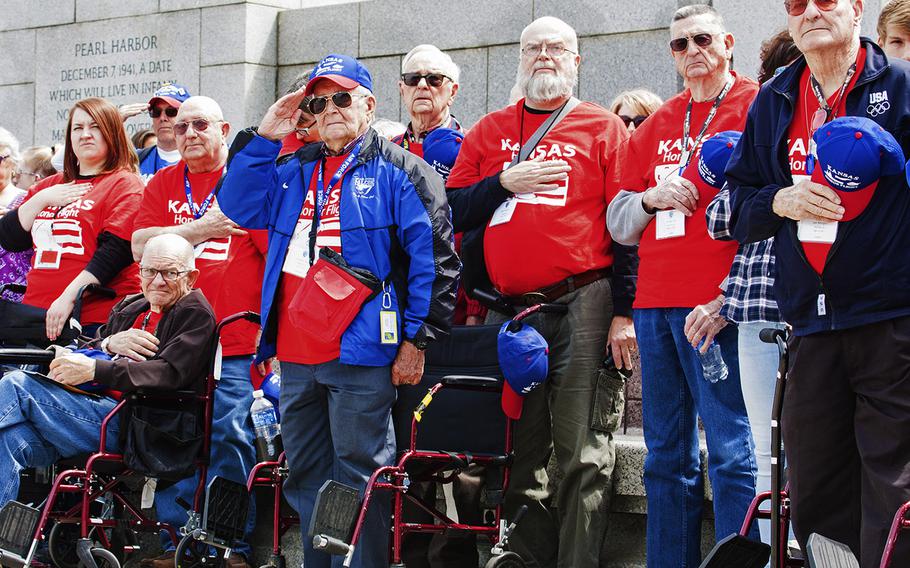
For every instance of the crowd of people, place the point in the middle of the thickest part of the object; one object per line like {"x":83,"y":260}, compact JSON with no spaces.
{"x":738,"y":206}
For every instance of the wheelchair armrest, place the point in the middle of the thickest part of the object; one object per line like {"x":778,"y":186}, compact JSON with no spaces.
{"x":25,"y":356}
{"x":163,"y":394}
{"x":98,"y":290}
{"x":472,"y":382}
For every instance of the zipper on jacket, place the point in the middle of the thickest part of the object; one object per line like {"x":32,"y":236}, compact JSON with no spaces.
{"x":823,"y":304}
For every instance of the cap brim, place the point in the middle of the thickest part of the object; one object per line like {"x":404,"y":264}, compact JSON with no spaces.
{"x":854,"y":202}
{"x":343,"y":82}
{"x":512,"y":402}
{"x":167,"y":100}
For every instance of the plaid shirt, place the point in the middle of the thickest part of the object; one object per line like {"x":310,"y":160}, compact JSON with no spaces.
{"x":749,"y":287}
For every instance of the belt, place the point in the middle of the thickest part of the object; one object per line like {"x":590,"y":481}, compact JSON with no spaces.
{"x":560,"y":289}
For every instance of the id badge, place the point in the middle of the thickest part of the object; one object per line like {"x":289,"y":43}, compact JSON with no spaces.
{"x":671,"y":224}
{"x":388,"y":327}
{"x":504,"y":212}
{"x":297,"y":260}
{"x":810,"y":231}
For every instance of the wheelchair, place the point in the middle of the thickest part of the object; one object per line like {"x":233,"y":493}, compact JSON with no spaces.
{"x":462,"y":380}
{"x":271,"y":474}
{"x":100,"y":529}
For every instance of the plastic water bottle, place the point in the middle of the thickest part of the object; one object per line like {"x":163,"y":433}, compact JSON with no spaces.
{"x":265,"y":424}
{"x":713,"y":367}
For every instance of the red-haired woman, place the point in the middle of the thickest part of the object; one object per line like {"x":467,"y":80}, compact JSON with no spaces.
{"x":80,"y":221}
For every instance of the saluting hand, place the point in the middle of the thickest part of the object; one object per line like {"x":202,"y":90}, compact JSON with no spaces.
{"x":281,"y":118}
{"x":535,"y":175}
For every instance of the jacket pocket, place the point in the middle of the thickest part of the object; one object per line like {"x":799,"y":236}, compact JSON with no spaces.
{"x":609,"y":399}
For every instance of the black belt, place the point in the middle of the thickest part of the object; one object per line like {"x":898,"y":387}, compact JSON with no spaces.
{"x":560,"y":289}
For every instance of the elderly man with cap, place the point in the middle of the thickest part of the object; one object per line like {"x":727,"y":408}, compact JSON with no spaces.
{"x":354,"y":204}
{"x":843,"y":274}
{"x":162,"y":107}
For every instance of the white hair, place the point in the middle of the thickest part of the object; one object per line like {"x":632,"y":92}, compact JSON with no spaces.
{"x":446,"y":65}
{"x":170,"y":243}
{"x":7,"y":140}
{"x":388,"y":128}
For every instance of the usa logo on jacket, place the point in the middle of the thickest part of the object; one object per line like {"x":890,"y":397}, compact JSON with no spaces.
{"x":878,"y":104}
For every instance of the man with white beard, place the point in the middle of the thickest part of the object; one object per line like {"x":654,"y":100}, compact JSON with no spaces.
{"x":547,"y":242}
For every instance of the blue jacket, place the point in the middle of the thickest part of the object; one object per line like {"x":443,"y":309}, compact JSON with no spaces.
{"x":401,"y":231}
{"x":866,"y":277}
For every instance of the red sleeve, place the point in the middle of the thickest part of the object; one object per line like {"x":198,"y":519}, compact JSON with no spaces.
{"x":466,"y":170}
{"x":152,"y":206}
{"x":615,"y":138}
{"x":123,"y":202}
{"x":475,"y":308}
{"x":634,"y":174}
{"x":260,"y":239}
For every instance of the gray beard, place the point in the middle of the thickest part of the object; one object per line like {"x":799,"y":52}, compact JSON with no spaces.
{"x":547,"y":87}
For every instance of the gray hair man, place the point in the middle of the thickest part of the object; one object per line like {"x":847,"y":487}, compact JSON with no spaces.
{"x":428,"y":85}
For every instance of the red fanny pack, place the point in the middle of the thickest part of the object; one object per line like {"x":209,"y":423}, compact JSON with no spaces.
{"x":331,"y":296}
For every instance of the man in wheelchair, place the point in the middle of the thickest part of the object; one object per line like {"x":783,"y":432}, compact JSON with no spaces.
{"x":157,"y":340}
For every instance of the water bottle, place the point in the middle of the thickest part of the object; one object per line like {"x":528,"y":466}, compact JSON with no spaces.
{"x":713,"y":367}
{"x":265,"y":424}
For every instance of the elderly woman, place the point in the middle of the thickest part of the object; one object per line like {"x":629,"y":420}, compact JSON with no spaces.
{"x":13,"y":265}
{"x":79,"y":221}
{"x":845,"y":290}
{"x":634,"y":106}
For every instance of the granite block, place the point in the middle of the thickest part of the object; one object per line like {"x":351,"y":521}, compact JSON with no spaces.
{"x":123,"y":60}
{"x":607,"y":68}
{"x":19,"y":14}
{"x":87,"y":10}
{"x":302,"y":37}
{"x":395,"y":26}
{"x":18,"y":47}
{"x":244,"y":91}
{"x":385,"y":72}
{"x":287,"y":74}
{"x":17,"y":111}
{"x":172,"y":5}
{"x":750,"y":31}
{"x":240,"y":33}
{"x":598,"y":17}
{"x":502,"y":65}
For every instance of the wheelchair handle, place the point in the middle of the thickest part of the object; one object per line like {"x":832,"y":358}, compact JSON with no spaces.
{"x":471,"y":382}
{"x":25,"y":356}
{"x":770,"y":335}
{"x":331,"y":545}
{"x":249,"y":316}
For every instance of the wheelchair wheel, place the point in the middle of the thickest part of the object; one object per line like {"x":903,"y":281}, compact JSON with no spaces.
{"x":192,"y":553}
{"x":506,"y":560}
{"x":61,"y":544}
{"x":105,"y":558}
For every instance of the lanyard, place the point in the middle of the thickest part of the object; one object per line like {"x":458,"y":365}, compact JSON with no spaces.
{"x":830,"y":112}
{"x":197,"y":213}
{"x":409,"y":137}
{"x":145,"y":320}
{"x":686,"y":155}
{"x":322,"y":193}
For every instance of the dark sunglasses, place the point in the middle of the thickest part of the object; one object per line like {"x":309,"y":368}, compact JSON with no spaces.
{"x":797,"y":7}
{"x":433,"y":79}
{"x":636,"y":120}
{"x":199,"y":125}
{"x":341,"y":99}
{"x":155,"y":112}
{"x":682,"y":43}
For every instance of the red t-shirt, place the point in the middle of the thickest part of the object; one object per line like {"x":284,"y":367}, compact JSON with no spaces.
{"x":685,"y":271}
{"x":66,"y":239}
{"x":290,"y":144}
{"x":294,"y":347}
{"x":553,"y":235}
{"x":798,"y":142}
{"x":230,"y":268}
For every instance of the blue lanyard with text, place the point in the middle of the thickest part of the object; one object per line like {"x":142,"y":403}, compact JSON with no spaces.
{"x":197,"y":213}
{"x":322,"y":193}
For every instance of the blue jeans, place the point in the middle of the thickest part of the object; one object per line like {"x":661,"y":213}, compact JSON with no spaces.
{"x":232,"y":456}
{"x":674,"y":395}
{"x":336,"y":423}
{"x":41,"y":423}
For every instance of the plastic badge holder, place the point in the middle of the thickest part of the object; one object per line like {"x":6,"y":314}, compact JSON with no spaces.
{"x":17,"y":528}
{"x":227,"y":504}
{"x":739,"y":551}
{"x":335,"y":512}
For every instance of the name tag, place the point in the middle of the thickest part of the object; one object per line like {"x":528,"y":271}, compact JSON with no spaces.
{"x":504,"y":212}
{"x":670,"y":224}
{"x":388,"y":327}
{"x":816,"y":231}
{"x":297,"y":260}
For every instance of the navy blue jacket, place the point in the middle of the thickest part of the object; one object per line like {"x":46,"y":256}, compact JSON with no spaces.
{"x":866,"y":277}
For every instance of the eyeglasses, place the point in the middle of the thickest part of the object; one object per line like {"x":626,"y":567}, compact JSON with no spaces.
{"x":797,"y":7}
{"x":155,"y":112}
{"x":554,"y":51}
{"x":32,"y":174}
{"x":636,"y":120}
{"x":341,"y":99}
{"x":199,"y":125}
{"x":169,"y":275}
{"x":682,"y":43}
{"x":433,"y":79}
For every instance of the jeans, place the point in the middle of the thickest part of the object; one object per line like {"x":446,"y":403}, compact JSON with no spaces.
{"x":336,"y":423}
{"x":674,"y":395}
{"x":232,"y":452}
{"x":41,"y":423}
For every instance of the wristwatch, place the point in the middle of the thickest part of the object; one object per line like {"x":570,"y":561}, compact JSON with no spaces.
{"x":420,"y":344}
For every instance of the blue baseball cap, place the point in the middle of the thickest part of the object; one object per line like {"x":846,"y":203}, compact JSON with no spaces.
{"x":712,"y":160}
{"x":523,"y":360}
{"x":170,"y":93}
{"x":343,"y":70}
{"x":853,"y":153}
{"x":440,"y":149}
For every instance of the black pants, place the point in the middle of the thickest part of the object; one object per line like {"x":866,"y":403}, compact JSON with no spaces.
{"x":846,"y":427}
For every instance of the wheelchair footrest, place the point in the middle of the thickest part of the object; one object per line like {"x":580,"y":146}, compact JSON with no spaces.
{"x":17,"y":529}
{"x":335,"y":512}
{"x":227,"y":505}
{"x":739,"y":551}
{"x":826,"y":553}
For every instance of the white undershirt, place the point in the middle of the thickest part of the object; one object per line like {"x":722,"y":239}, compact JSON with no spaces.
{"x":173,"y":156}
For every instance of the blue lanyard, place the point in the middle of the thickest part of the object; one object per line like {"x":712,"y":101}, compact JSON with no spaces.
{"x":322,"y":193}
{"x":197,"y":213}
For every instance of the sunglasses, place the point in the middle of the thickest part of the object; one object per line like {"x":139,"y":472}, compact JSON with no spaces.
{"x":433,"y":79}
{"x":199,"y":125}
{"x":341,"y":99}
{"x":797,"y":7}
{"x":636,"y":120}
{"x":682,"y":43}
{"x":155,"y":112}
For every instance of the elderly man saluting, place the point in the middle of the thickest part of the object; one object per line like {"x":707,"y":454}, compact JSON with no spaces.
{"x":43,"y":422}
{"x":354,"y":204}
{"x":842,"y":279}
